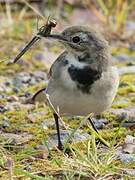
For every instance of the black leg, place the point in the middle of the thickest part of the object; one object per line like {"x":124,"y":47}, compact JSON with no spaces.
{"x":60,"y":146}
{"x":92,"y":124}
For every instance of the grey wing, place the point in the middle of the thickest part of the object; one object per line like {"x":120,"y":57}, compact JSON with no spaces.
{"x":40,"y":95}
{"x":55,"y":67}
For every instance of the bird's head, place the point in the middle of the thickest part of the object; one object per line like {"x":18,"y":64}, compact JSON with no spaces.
{"x":77,"y":39}
{"x":80,"y":38}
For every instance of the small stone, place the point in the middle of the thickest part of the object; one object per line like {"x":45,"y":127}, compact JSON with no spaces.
{"x":39,"y":56}
{"x":3,"y":108}
{"x":131,"y":94}
{"x":53,"y":138}
{"x":124,"y":113}
{"x":7,"y":83}
{"x":26,"y":79}
{"x":130,"y":25}
{"x":127,"y":70}
{"x":27,"y":106}
{"x":124,"y":58}
{"x":129,"y":148}
{"x":128,"y":124}
{"x":31,"y":118}
{"x":132,"y":47}
{"x":27,"y":94}
{"x":78,"y":136}
{"x":40,"y":75}
{"x":15,"y":90}
{"x":12,"y":98}
{"x":16,"y":139}
{"x":4,"y":123}
{"x":32,"y":81}
{"x":21,"y":78}
{"x":126,"y":158}
{"x":17,"y":105}
{"x":49,"y":123}
{"x":121,"y":57}
{"x":100,"y":123}
{"x":2,"y":96}
{"x":130,"y":139}
{"x":130,"y":172}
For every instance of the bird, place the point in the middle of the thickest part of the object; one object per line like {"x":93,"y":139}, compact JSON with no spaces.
{"x":82,"y":80}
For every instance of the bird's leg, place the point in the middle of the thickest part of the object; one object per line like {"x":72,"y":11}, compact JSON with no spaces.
{"x":92,"y":124}
{"x":60,"y":146}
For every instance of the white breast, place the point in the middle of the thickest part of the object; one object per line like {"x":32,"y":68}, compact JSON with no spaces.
{"x":72,"y":101}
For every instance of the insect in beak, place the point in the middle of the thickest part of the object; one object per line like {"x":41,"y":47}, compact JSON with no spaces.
{"x":44,"y":31}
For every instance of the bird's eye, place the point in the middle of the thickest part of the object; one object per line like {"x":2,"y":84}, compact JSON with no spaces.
{"x":76,"y":39}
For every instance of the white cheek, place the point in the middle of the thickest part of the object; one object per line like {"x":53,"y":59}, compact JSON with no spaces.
{"x":82,"y":36}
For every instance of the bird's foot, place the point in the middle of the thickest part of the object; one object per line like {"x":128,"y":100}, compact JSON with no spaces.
{"x":66,"y":151}
{"x":60,"y":146}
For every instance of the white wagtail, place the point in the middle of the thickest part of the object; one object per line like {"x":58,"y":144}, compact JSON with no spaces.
{"x":82,"y":79}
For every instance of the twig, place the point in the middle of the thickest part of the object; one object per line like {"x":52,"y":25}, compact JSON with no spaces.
{"x":8,"y":11}
{"x":89,"y":5}
{"x":42,"y":32}
{"x":34,"y":9}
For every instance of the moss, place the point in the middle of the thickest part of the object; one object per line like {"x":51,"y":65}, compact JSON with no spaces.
{"x":125,"y":90}
{"x":17,"y":116}
{"x":122,"y":50}
{"x":128,"y":78}
{"x":133,"y":99}
{"x":109,"y":116}
{"x":110,"y":134}
{"x":121,"y":105}
{"x":73,"y":122}
{"x":126,"y":84}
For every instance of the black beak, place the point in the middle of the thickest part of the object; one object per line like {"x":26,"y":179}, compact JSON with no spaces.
{"x":27,"y":47}
{"x":57,"y":36}
{"x":34,"y":40}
